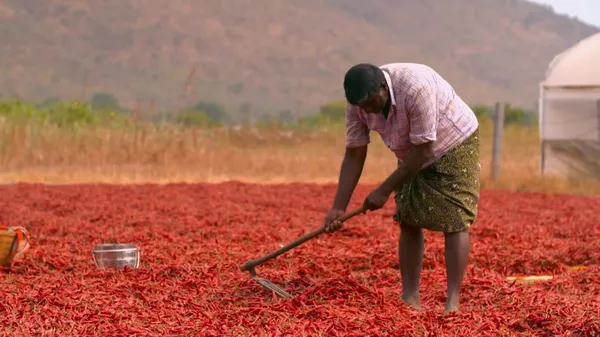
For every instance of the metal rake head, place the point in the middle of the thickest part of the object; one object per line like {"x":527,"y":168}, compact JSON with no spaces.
{"x":267,"y":284}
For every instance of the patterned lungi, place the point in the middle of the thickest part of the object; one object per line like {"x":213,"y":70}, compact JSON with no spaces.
{"x":444,"y":196}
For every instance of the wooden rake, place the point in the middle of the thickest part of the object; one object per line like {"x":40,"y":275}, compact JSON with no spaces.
{"x":252,"y":264}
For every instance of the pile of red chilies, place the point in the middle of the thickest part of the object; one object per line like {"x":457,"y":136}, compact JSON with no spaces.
{"x":194,"y":238}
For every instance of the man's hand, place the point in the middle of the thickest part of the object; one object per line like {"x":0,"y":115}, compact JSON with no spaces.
{"x":407,"y":169}
{"x":331,"y":223}
{"x":376,"y":199}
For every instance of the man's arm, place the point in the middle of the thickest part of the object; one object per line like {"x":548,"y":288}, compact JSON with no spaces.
{"x":357,"y":140}
{"x":350,"y":172}
{"x":416,"y":158}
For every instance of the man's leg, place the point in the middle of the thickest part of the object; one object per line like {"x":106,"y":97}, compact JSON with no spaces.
{"x":411,"y":261}
{"x":457,"y":258}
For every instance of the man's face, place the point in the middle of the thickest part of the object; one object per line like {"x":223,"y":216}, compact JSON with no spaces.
{"x":375,"y":102}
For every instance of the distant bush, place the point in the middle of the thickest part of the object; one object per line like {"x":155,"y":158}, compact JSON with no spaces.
{"x":481,"y":111}
{"x":104,"y":101}
{"x":515,"y":115}
{"x":329,"y":116}
{"x":196,"y":118}
{"x":512,"y":115}
{"x":59,"y":113}
{"x":213,"y":111}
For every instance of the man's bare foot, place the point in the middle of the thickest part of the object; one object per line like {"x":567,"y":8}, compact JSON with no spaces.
{"x":412,"y":302}
{"x":451,"y":309}
{"x":452,"y":305}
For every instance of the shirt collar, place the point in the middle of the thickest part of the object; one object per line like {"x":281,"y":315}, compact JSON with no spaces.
{"x":390,"y":85}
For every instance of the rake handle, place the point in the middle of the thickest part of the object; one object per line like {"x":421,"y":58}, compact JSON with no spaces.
{"x":249,"y":266}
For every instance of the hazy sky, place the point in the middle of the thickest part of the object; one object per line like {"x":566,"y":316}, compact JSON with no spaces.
{"x":585,"y":10}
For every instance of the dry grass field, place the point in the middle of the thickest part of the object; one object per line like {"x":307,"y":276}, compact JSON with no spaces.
{"x":163,"y":154}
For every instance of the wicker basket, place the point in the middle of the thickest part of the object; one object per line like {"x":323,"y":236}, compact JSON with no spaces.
{"x":8,"y":242}
{"x":14,"y":242}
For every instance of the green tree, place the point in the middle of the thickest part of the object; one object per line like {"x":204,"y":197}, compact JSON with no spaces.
{"x":245,"y":113}
{"x":196,"y":118}
{"x":286,"y":116}
{"x":515,"y":115}
{"x":104,"y":101}
{"x":236,"y":88}
{"x":214,"y":111}
{"x":481,"y":111}
{"x":333,"y":112}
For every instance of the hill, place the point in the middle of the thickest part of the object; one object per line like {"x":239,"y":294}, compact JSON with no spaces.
{"x":271,"y":55}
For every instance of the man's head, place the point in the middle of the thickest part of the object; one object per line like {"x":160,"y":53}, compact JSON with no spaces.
{"x":365,"y":86}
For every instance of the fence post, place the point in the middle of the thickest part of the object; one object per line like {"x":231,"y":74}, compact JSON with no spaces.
{"x":498,"y":135}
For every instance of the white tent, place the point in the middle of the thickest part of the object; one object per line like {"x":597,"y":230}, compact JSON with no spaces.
{"x":569,"y":111}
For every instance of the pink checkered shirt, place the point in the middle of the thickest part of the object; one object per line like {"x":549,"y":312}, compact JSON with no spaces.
{"x":424,"y":108}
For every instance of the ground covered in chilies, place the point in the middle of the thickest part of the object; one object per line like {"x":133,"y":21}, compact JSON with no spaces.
{"x":195,"y":237}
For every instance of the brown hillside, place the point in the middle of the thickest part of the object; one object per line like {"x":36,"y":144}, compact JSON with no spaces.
{"x":271,"y":54}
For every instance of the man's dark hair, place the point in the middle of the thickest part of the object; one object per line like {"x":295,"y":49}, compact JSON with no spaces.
{"x":361,"y":80}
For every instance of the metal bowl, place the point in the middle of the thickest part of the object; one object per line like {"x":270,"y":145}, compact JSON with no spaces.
{"x":116,"y":255}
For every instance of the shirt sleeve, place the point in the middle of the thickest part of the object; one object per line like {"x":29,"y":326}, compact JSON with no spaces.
{"x":422,"y":115}
{"x":357,"y":132}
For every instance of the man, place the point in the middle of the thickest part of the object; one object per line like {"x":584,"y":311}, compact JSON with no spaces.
{"x":434,"y":135}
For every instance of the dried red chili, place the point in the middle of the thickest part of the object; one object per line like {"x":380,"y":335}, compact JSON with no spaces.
{"x":193,"y":241}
